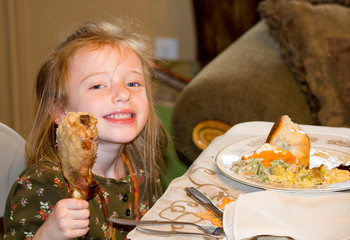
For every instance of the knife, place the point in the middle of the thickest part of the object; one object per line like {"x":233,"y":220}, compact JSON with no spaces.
{"x":203,"y":200}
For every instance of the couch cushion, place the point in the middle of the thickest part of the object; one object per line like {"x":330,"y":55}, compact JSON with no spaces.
{"x":246,"y":82}
{"x":315,"y":45}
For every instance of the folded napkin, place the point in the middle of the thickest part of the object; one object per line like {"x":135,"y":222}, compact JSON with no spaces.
{"x":300,"y":216}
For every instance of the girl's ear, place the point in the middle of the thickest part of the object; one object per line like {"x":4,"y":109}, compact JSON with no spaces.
{"x":58,"y":118}
{"x":58,"y":114}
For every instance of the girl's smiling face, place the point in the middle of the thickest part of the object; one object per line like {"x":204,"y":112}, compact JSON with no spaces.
{"x":109,"y":83}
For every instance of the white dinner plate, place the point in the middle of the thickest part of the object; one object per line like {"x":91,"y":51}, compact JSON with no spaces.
{"x":233,"y":152}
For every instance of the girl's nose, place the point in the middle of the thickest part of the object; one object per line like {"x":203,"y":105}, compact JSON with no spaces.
{"x":120,"y":93}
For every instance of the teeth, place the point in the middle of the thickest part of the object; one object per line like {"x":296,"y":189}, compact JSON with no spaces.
{"x":120,"y":116}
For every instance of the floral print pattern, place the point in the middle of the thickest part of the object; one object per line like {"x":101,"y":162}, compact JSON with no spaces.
{"x":35,"y":193}
{"x":45,"y":210}
{"x":25,"y":182}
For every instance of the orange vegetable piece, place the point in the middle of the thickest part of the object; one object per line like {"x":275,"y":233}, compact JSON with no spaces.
{"x":271,"y":155}
{"x":207,"y":215}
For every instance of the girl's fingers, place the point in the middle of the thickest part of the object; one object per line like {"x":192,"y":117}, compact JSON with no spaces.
{"x":79,"y":224}
{"x":75,"y":233}
{"x":79,"y":214}
{"x":69,"y":219}
{"x":72,"y":209}
{"x":74,"y":225}
{"x":79,"y":232}
{"x":73,"y":203}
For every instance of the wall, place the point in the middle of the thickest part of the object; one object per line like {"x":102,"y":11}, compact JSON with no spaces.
{"x":32,"y":29}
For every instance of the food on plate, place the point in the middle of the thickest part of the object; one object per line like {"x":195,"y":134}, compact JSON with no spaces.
{"x":289,"y":175}
{"x":344,"y":167}
{"x":329,"y":158}
{"x":291,"y":137}
{"x":268,"y":153}
{"x":77,"y":150}
{"x":284,"y":160}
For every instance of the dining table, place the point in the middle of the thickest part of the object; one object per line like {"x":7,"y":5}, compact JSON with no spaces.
{"x":205,"y":175}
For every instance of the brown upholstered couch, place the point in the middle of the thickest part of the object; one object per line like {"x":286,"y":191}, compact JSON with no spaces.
{"x":295,"y":61}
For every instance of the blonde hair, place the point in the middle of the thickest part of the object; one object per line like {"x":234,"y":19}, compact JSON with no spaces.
{"x":146,"y":151}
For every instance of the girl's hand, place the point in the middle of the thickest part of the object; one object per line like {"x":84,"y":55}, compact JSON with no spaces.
{"x":69,"y":219}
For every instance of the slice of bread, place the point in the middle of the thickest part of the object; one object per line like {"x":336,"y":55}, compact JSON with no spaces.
{"x":291,"y":137}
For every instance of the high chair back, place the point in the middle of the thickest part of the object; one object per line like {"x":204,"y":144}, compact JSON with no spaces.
{"x":12,"y":161}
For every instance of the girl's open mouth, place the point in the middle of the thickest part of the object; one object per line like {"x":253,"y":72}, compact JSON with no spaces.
{"x":120,"y":116}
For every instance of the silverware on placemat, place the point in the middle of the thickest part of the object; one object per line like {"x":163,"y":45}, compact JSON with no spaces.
{"x":203,"y":200}
{"x":208,"y":230}
{"x":169,"y":233}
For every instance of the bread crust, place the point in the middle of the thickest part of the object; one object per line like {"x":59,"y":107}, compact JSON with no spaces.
{"x":291,"y":137}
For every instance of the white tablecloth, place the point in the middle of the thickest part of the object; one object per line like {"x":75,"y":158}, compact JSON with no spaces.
{"x":203,"y":174}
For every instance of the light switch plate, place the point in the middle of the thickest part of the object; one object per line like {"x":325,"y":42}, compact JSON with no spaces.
{"x":167,"y":48}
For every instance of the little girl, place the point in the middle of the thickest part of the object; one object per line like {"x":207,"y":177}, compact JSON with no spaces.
{"x":102,"y":69}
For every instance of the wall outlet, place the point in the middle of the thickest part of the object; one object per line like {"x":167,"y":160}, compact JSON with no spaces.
{"x":167,"y":48}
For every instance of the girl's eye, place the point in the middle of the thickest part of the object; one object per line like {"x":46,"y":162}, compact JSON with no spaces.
{"x":133,"y":84}
{"x":98,"y":86}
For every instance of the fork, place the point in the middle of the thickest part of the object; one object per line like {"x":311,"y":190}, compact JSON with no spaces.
{"x":208,"y":229}
{"x":167,"y":233}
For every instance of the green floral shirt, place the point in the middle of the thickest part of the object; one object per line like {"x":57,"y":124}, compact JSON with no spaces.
{"x":38,"y":189}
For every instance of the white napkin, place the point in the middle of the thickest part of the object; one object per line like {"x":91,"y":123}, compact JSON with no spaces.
{"x":300,"y":216}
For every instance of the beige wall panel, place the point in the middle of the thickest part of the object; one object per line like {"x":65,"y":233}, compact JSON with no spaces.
{"x":16,"y":78}
{"x":34,"y":27}
{"x":4,"y":73}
